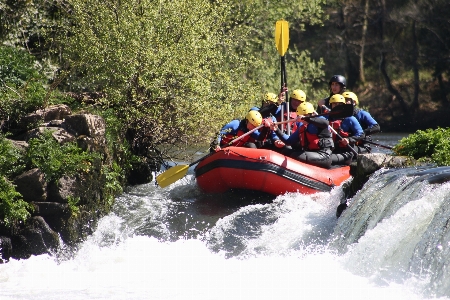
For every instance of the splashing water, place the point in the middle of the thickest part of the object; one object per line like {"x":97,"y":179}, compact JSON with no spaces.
{"x":391,"y":242}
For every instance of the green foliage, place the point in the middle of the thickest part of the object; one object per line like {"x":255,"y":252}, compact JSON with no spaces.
{"x":178,"y":70}
{"x":12,"y":207}
{"x":56,"y":160}
{"x":113,"y":175}
{"x":11,"y":159}
{"x":73,"y":202}
{"x":427,"y":144}
{"x":23,"y":86}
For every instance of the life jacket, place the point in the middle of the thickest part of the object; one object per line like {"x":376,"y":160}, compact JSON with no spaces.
{"x":292,"y":115}
{"x":336,"y":125}
{"x":227,"y":138}
{"x":308,"y":140}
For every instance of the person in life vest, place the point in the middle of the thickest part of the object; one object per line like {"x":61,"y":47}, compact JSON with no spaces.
{"x":367,"y":122}
{"x":312,"y":134}
{"x":271,"y":103}
{"x":297,"y":97}
{"x":349,"y":129}
{"x":236,"y":128}
{"x":267,"y":138}
{"x":337,"y":85}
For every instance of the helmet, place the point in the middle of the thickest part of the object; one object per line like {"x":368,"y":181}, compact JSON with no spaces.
{"x":338,"y":98}
{"x":339,"y":79}
{"x":299,"y":95}
{"x":305,"y":108}
{"x":270,"y":97}
{"x":351,"y":95}
{"x":254,"y":117}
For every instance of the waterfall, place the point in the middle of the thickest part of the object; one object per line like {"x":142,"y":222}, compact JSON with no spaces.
{"x":397,"y":226}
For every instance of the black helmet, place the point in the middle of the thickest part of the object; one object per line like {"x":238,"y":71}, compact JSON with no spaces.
{"x":339,"y":79}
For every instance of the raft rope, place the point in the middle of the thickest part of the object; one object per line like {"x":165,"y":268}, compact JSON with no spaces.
{"x":227,"y":152}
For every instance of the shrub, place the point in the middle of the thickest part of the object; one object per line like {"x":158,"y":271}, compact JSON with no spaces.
{"x":11,"y":160}
{"x":56,"y":160}
{"x":12,"y":206}
{"x":427,"y":144}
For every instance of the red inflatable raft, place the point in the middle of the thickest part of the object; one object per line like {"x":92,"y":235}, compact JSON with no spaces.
{"x":265,"y":171}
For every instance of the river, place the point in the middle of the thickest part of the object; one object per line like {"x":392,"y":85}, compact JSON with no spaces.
{"x":392,"y":242}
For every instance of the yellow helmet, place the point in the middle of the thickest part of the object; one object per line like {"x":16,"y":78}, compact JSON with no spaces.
{"x":352,"y":96}
{"x":337,"y":99}
{"x":305,"y":108}
{"x":299,"y":95}
{"x":254,"y":117}
{"x":270,"y":97}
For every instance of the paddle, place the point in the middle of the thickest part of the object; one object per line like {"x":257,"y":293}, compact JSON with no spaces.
{"x":379,"y":145}
{"x":341,"y":138}
{"x":338,"y":112}
{"x":177,"y":172}
{"x":282,"y":43}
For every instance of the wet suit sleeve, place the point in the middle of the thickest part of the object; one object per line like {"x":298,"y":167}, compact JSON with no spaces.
{"x":352,"y":126}
{"x":368,"y":122}
{"x":291,"y":139}
{"x":230,"y":128}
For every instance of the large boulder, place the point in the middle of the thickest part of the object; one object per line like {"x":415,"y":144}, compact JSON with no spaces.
{"x":367,"y":164}
{"x":34,"y":239}
{"x":32,"y":185}
{"x":54,"y":112}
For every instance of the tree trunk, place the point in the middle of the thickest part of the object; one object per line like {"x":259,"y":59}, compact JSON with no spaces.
{"x":415,"y":103}
{"x":362,"y":76}
{"x":443,"y":89}
{"x":389,"y":85}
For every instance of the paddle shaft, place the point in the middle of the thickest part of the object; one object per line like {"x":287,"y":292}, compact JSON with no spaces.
{"x":379,"y":145}
{"x":340,"y":137}
{"x":229,"y":144}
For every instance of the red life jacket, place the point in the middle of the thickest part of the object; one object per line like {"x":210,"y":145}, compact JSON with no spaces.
{"x":337,"y":126}
{"x":292,"y":115}
{"x":240,"y":143}
{"x":308,"y":140}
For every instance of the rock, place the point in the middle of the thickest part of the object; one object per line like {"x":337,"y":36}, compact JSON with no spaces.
{"x":62,"y":136}
{"x":20,"y":145}
{"x":34,"y":239}
{"x":45,"y":209}
{"x":37,"y":132}
{"x":86,"y":124}
{"x":64,"y":188}
{"x":367,"y":164}
{"x":53,"y":112}
{"x":32,"y":185}
{"x":6,"y":247}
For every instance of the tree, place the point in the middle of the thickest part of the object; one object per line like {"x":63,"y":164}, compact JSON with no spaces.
{"x":176,"y":71}
{"x":168,"y":68}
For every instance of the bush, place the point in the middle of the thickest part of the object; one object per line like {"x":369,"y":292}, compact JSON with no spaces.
{"x":56,"y":160}
{"x":12,"y":207}
{"x":11,"y":160}
{"x":427,"y":144}
{"x":23,"y":85}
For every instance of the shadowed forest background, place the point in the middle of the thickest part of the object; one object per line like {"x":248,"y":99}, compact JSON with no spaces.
{"x":168,"y":74}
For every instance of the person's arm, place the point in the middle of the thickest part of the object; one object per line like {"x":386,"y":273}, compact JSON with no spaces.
{"x":319,"y":122}
{"x":368,"y":122}
{"x":354,"y":128}
{"x":230,"y":128}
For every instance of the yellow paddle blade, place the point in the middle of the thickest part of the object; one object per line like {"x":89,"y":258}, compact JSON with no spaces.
{"x":170,"y":176}
{"x":282,"y":36}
